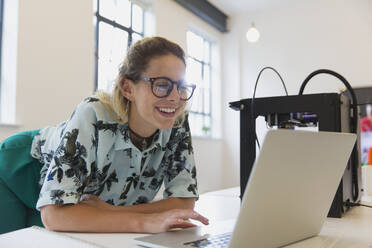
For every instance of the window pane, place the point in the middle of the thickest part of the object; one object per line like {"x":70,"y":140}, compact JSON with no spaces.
{"x":119,"y":46}
{"x":105,"y":72}
{"x":196,"y":124}
{"x":112,"y":49}
{"x":192,"y":124}
{"x":195,"y":45}
{"x":136,"y":37}
{"x":207,"y":100}
{"x":199,"y":108}
{"x":116,"y":10}
{"x":207,"y":76}
{"x":207,"y":54}
{"x":199,"y":72}
{"x":207,"y":126}
{"x":105,"y":38}
{"x":113,"y":42}
{"x":123,"y":12}
{"x":195,"y":100}
{"x":95,"y":6}
{"x":137,"y":24}
{"x":194,"y":72}
{"x":107,"y":8}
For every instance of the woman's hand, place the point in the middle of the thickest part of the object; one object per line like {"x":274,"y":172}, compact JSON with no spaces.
{"x":176,"y":218}
{"x":155,"y":222}
{"x":94,"y":201}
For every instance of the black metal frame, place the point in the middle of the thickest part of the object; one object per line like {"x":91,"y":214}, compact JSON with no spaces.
{"x":327,"y":108}
{"x":129,"y":30}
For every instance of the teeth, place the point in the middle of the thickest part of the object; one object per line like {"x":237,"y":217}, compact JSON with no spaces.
{"x":167,"y":110}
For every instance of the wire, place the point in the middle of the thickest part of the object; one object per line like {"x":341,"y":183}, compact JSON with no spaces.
{"x":354,"y":155}
{"x":363,"y":205}
{"x":354,"y":204}
{"x":365,"y":103}
{"x":254,"y":95}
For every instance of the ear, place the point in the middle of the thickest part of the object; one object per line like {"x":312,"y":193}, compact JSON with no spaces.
{"x":127,"y":89}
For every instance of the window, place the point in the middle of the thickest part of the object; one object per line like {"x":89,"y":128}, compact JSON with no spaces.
{"x":119,"y":23}
{"x":199,"y":72}
{"x":8,"y":60}
{"x":1,"y":38}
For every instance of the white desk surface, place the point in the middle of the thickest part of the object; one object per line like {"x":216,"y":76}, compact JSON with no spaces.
{"x":354,"y":230}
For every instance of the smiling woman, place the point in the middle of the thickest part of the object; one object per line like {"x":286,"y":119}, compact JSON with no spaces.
{"x":101,"y":169}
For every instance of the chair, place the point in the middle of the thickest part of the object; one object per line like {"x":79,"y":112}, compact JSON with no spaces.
{"x":19,"y":183}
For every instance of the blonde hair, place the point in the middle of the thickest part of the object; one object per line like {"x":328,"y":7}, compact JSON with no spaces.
{"x":135,"y":63}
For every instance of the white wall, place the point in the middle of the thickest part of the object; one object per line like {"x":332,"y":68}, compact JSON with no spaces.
{"x":55,"y":61}
{"x":298,"y":37}
{"x":56,"y":66}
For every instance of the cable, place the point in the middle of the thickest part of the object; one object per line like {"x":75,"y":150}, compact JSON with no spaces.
{"x":254,"y":95}
{"x":354,"y":155}
{"x":365,"y":103}
{"x":353,"y":204}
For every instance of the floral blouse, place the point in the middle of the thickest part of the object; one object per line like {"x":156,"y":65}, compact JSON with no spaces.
{"x":92,"y":154}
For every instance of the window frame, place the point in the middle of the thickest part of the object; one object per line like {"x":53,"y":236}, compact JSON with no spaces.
{"x":208,"y":133}
{"x":114,"y":24}
{"x":1,"y":44}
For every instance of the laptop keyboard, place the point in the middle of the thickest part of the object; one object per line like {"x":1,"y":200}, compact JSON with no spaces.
{"x":221,"y":240}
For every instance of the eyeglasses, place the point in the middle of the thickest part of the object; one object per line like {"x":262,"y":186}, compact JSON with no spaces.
{"x":162,"y":87}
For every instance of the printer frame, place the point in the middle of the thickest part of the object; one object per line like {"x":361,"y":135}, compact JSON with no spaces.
{"x":333,"y":113}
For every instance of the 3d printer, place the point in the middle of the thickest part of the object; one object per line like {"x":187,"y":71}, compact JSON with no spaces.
{"x":329,"y":112}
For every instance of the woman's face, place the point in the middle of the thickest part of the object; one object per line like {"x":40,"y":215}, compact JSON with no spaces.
{"x":148,"y":112}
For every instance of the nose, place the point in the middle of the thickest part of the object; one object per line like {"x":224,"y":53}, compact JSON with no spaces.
{"x":174,"y":96}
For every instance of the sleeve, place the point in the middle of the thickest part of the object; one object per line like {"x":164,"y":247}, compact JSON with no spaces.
{"x":73,"y":156}
{"x":180,"y":174}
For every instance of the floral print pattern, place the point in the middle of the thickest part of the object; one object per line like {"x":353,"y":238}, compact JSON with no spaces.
{"x":92,"y":154}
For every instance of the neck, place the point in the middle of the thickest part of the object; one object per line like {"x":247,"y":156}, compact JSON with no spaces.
{"x":138,"y":136}
{"x":140,"y":142}
{"x":139,"y":126}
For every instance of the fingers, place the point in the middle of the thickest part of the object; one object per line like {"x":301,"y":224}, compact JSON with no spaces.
{"x":189,"y":214}
{"x":183,"y":224}
{"x":87,"y":197}
{"x":199,"y":217}
{"x":84,"y":198}
{"x":179,"y":223}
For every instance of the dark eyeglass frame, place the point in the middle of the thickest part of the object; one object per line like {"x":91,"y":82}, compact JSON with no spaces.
{"x":179,"y":84}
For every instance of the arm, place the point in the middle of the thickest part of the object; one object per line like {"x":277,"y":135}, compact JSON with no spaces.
{"x":87,"y":218}
{"x":147,"y":208}
{"x":161,"y":206}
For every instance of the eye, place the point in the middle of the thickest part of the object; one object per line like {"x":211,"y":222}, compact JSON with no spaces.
{"x":162,"y":86}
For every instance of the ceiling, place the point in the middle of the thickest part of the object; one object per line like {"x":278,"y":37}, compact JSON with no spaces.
{"x":230,"y":7}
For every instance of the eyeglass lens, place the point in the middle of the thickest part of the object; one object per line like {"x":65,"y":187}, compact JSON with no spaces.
{"x":163,"y":87}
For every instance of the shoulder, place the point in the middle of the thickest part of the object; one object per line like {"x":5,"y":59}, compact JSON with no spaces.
{"x":180,"y":137}
{"x":182,"y":129}
{"x":92,"y":107}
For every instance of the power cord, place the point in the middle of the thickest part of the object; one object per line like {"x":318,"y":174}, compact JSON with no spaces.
{"x":354,"y":204}
{"x":254,"y":95}
{"x":354,"y":155}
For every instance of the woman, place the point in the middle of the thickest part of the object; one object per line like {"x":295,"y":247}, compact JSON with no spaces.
{"x":104,"y":165}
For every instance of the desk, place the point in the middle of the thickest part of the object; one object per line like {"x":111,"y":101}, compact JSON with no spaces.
{"x":354,"y":230}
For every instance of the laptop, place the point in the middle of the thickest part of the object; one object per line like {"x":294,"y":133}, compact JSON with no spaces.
{"x":287,"y":197}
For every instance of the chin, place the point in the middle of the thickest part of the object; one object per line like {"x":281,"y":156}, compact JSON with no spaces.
{"x":166,"y":126}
